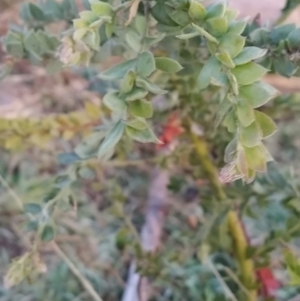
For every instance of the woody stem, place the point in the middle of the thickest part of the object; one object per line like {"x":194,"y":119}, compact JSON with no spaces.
{"x":234,"y":223}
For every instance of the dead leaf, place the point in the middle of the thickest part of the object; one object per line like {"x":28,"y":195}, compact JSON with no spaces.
{"x":132,"y":11}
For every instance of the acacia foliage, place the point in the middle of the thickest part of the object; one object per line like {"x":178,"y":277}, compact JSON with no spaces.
{"x":222,"y":53}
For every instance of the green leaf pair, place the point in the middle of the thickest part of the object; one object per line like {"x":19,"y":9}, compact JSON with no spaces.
{"x":261,"y":128}
{"x":35,"y":44}
{"x":138,"y":107}
{"x":139,"y":130}
{"x":143,"y":66}
{"x":48,"y":11}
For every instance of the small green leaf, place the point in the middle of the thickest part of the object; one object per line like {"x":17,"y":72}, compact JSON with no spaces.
{"x":141,"y":108}
{"x":133,"y":40}
{"x":114,"y":102}
{"x":225,"y":106}
{"x":67,"y":158}
{"x":36,"y":12}
{"x":165,"y":29}
{"x":196,"y":10}
{"x":233,"y":83}
{"x":128,"y":82}
{"x":86,"y":173}
{"x":118,"y":71}
{"x":151,"y":87}
{"x":145,"y":136}
{"x":47,"y":233}
{"x":284,"y":66}
{"x":231,"y":14}
{"x":220,"y":80}
{"x":122,"y":238}
{"x":80,"y":24}
{"x":205,"y":34}
{"x":255,"y":158}
{"x":237,"y":27}
{"x":167,"y":65}
{"x":78,"y":34}
{"x":145,"y":64}
{"x":281,"y":32}
{"x":266,"y":124}
{"x":230,"y":151}
{"x":267,"y":154}
{"x":13,"y":37}
{"x":251,"y":135}
{"x":210,"y":69}
{"x":186,"y":36}
{"x":251,"y":251}
{"x":149,"y":41}
{"x":259,"y":36}
{"x":245,"y":113}
{"x":138,"y":124}
{"x":293,"y":39}
{"x":32,"y":208}
{"x":31,"y":43}
{"x":215,"y":10}
{"x":250,"y":176}
{"x":248,"y":73}
{"x":56,"y":9}
{"x":88,"y":16}
{"x":232,"y":43}
{"x":217,"y":26}
{"x":92,"y":40}
{"x":257,"y":94}
{"x":109,"y":29}
{"x":62,"y":181}
{"x":136,"y":93}
{"x":111,"y":139}
{"x":249,"y":54}
{"x":15,"y":49}
{"x":241,"y":162}
{"x":25,"y":12}
{"x":51,"y":194}
{"x":89,"y":146}
{"x":225,"y":59}
{"x":159,"y":13}
{"x":179,"y":16}
{"x":230,"y":121}
{"x":293,"y":265}
{"x":140,"y":24}
{"x":101,"y":8}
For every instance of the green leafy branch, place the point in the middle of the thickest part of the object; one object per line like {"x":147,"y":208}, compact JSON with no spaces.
{"x":36,"y":45}
{"x":231,"y":67}
{"x":283,"y":45}
{"x":129,"y":103}
{"x":48,"y":11}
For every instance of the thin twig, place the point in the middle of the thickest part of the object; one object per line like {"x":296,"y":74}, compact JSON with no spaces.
{"x":232,"y":275}
{"x":12,"y":193}
{"x":227,"y":290}
{"x":85,"y":283}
